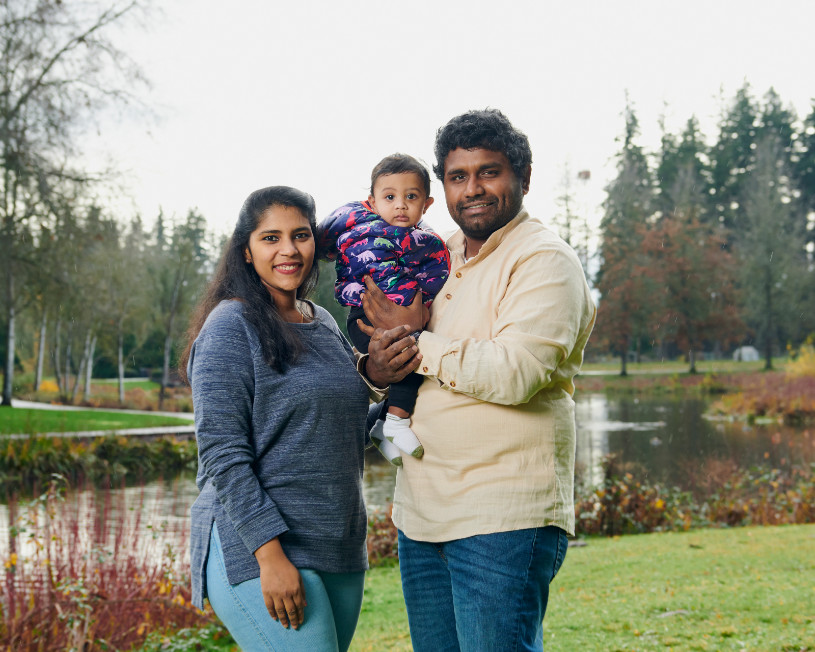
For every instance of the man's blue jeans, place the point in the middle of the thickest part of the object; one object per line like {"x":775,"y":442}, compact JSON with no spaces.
{"x":486,"y":593}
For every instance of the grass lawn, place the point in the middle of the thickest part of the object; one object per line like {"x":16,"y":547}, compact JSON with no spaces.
{"x":29,"y":421}
{"x":733,"y":589}
{"x":112,"y":384}
{"x":612,"y":367}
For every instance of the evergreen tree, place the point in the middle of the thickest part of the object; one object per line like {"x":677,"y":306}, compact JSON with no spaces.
{"x":178,"y":272}
{"x":626,"y":306}
{"x":804,"y":174}
{"x":771,"y":254}
{"x":683,"y":173}
{"x":324,"y":294}
{"x":733,"y":159}
{"x":693,"y":272}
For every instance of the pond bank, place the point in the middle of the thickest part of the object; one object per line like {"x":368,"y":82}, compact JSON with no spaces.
{"x":786,"y":396}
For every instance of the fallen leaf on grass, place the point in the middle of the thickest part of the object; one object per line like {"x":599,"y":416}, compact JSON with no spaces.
{"x":678,"y":612}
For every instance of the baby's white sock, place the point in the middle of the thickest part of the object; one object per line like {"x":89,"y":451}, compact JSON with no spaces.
{"x":398,"y":431}
{"x":388,"y":450}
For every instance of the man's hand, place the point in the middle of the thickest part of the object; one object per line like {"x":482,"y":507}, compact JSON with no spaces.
{"x":392,"y":354}
{"x":385,"y":314}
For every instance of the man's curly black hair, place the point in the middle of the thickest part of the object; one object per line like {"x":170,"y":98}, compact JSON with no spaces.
{"x":488,"y":129}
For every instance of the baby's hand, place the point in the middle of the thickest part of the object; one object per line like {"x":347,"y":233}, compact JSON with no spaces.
{"x":384,"y":313}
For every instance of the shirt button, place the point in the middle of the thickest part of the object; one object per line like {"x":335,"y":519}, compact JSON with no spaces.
{"x":424,"y":369}
{"x":452,"y":383}
{"x":458,"y":274}
{"x":448,"y":296}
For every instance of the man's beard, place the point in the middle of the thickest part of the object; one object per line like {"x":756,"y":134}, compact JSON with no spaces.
{"x":481,"y":229}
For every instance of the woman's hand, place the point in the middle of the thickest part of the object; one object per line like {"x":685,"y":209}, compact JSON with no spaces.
{"x":392,"y":354}
{"x":385,"y":314}
{"x":281,"y":585}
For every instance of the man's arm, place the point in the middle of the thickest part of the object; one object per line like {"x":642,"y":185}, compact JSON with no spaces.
{"x":544,"y":316}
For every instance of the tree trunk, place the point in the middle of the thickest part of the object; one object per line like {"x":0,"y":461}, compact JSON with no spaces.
{"x":82,"y":362}
{"x":66,"y":372}
{"x":40,"y":351}
{"x":121,"y":361}
{"x":624,"y":360}
{"x":55,"y":356}
{"x":165,"y":371}
{"x":692,"y":361}
{"x":8,"y":376}
{"x":168,"y":340}
{"x":89,"y":370}
{"x":768,"y":339}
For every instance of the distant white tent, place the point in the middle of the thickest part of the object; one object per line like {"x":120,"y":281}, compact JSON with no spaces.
{"x":746,"y":354}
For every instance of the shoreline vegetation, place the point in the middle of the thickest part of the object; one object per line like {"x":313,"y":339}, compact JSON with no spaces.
{"x":72,"y":581}
{"x":743,"y":390}
{"x":54,"y":561}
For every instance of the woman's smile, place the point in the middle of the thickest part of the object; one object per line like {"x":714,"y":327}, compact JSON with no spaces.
{"x":281,"y":249}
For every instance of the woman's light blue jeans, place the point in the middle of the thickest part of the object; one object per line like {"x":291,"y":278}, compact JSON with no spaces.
{"x":334,"y":602}
{"x":486,"y":593}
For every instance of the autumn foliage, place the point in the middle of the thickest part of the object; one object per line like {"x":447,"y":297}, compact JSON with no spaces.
{"x":788,"y":397}
{"x":71,"y":581}
{"x":722,"y":495}
{"x":381,"y":538}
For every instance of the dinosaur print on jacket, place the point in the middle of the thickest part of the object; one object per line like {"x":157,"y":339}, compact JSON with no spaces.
{"x":400,"y":260}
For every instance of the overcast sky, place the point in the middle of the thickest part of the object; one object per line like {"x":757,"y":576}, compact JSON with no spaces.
{"x":312,"y":94}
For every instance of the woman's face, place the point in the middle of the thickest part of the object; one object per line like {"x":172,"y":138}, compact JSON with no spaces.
{"x":281,"y":249}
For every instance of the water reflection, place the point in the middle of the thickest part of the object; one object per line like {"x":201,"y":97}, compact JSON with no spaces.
{"x":143,"y":520}
{"x":663,"y":439}
{"x":379,"y":482}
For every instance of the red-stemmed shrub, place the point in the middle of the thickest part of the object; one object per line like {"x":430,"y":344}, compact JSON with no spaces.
{"x":75,"y":578}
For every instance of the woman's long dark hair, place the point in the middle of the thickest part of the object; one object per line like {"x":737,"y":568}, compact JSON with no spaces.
{"x":237,"y":279}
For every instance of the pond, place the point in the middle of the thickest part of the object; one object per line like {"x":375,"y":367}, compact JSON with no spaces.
{"x":665,"y":439}
{"x":661,"y":440}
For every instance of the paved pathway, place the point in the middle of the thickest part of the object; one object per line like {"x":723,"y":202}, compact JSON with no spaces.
{"x":33,"y":405}
{"x":178,"y":430}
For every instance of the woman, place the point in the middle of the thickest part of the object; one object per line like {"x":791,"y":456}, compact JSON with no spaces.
{"x":280,"y":424}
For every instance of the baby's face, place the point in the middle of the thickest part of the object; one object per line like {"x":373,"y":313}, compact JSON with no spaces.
{"x":399,"y":199}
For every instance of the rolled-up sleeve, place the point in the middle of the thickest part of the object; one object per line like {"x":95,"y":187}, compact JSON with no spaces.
{"x":544,"y":311}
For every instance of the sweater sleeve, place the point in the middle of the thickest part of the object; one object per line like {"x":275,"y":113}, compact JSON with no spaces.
{"x":222,"y":379}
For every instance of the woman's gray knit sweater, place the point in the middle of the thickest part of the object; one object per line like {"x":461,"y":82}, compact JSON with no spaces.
{"x":278,"y":454}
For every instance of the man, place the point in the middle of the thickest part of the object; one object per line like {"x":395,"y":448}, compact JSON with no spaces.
{"x":483,"y":516}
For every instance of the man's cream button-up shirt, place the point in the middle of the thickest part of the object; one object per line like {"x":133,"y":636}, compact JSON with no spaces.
{"x":495,"y":414}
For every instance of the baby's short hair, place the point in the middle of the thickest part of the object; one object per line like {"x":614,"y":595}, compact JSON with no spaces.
{"x":399,"y":164}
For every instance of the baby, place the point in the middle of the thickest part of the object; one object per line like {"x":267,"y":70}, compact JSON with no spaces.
{"x":382,"y":238}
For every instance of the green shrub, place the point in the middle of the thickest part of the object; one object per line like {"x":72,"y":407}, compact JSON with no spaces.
{"x":30,"y":462}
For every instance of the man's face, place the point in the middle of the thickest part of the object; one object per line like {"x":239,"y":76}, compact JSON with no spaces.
{"x":482,"y":191}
